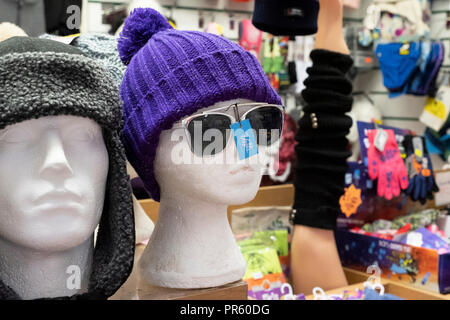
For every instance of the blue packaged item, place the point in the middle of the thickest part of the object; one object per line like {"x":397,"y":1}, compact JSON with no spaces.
{"x":398,"y":62}
{"x":370,"y":294}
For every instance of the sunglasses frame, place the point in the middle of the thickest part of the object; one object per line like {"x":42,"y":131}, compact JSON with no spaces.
{"x":184,"y":123}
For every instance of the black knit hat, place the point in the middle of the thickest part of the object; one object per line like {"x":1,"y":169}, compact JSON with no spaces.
{"x":40,"y":77}
{"x":286,"y":17}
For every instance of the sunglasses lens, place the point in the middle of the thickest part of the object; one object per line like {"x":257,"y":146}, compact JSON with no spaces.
{"x":209,"y":134}
{"x":268,"y":123}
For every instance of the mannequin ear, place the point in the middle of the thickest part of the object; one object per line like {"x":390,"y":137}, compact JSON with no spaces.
{"x":144,"y":225}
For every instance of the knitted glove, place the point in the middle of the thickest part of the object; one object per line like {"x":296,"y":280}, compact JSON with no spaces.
{"x":322,"y":144}
{"x":420,"y":171}
{"x":387,"y":166}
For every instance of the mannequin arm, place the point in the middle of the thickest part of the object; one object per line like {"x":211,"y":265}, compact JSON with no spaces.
{"x":330,"y":27}
{"x":315,"y":260}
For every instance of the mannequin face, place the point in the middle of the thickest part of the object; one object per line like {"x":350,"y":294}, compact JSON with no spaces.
{"x":212,"y":179}
{"x":54,"y":172}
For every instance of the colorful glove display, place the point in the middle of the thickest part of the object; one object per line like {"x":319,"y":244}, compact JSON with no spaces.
{"x":420,"y":171}
{"x":385,"y":163}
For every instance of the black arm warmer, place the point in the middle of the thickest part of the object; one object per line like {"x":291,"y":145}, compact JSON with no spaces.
{"x":322,"y":147}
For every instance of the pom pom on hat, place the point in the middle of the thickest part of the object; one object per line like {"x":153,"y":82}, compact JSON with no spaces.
{"x":139,"y":27}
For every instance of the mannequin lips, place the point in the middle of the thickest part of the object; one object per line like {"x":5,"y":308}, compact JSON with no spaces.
{"x":58,"y":198}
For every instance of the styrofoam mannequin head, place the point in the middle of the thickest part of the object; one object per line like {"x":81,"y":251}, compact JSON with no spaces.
{"x":54,"y":171}
{"x":208,"y":179}
{"x":362,"y":110}
{"x":192,"y":245}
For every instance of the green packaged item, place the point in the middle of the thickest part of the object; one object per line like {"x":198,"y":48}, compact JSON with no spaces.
{"x":261,"y":260}
{"x":279,"y":238}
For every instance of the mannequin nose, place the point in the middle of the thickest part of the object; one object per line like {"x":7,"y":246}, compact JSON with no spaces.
{"x":55,"y":163}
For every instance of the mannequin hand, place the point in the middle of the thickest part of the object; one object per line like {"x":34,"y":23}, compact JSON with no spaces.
{"x":330,"y":34}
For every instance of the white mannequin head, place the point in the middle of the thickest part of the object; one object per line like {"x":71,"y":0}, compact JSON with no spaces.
{"x":221,"y":179}
{"x":54,"y":172}
{"x":192,"y":245}
{"x":362,"y":110}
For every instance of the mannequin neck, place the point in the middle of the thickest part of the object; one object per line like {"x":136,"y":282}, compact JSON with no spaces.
{"x":192,"y":246}
{"x":193,"y":211}
{"x":207,"y":221}
{"x":34,"y":274}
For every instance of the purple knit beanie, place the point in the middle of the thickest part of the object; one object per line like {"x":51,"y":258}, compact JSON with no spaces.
{"x":171,"y":74}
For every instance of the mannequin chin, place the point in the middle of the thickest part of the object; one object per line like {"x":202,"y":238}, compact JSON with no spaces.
{"x":192,"y":245}
{"x":54,"y":171}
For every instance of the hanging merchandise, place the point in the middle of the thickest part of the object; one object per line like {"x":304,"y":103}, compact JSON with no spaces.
{"x":410,"y":67}
{"x":385,"y":163}
{"x":424,"y":83}
{"x":360,"y":42}
{"x":286,"y":18}
{"x":420,"y":171}
{"x":397,"y":19}
{"x":27,"y":14}
{"x":250,"y":38}
{"x":214,"y":28}
{"x":438,"y":142}
{"x":398,"y":62}
{"x":275,"y":60}
{"x":437,"y":109}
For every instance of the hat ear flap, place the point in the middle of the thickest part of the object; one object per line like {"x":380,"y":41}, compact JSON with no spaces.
{"x":114,"y":250}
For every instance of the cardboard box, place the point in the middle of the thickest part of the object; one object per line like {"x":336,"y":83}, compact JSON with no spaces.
{"x":356,"y":281}
{"x":414,"y":266}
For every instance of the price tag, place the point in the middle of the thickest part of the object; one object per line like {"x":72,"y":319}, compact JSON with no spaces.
{"x":436,"y":108}
{"x":244,"y":138}
{"x":418,"y":148}
{"x":380,"y":139}
{"x":404,"y":49}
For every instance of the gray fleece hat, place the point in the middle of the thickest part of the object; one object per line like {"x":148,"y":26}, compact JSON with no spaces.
{"x":40,"y":77}
{"x":103,"y":48}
